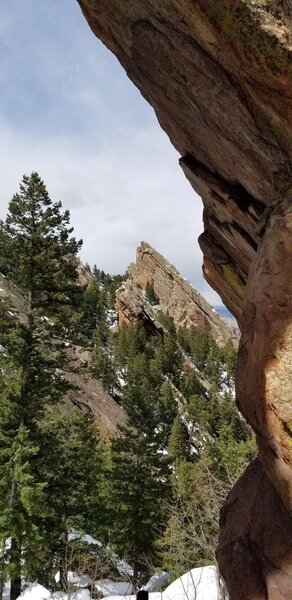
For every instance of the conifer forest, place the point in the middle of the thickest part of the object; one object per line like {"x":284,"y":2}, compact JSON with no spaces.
{"x":150,"y":492}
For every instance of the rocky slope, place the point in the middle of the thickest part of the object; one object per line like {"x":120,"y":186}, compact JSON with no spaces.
{"x":219,"y":77}
{"x":174,"y":294}
{"x":90,"y":395}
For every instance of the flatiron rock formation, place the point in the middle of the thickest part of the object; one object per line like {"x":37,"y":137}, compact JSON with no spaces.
{"x":175,"y":296}
{"x":218,"y":75}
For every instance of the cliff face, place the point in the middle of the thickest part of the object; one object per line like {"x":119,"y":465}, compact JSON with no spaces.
{"x":219,"y":77}
{"x":174,"y":294}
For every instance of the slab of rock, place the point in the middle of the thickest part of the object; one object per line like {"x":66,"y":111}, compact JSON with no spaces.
{"x":92,"y":398}
{"x":175,"y":296}
{"x":255,"y":549}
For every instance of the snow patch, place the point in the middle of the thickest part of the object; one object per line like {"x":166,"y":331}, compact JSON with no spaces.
{"x":157,"y":582}
{"x":123,"y":567}
{"x":111,"y":317}
{"x":111,"y":588}
{"x":80,"y":581}
{"x":198,"y":584}
{"x":87,"y":539}
{"x":35,"y":591}
{"x":79,"y":595}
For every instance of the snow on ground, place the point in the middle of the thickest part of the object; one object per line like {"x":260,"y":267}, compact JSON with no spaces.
{"x":110,"y":588}
{"x":152,"y":596}
{"x":198,"y":584}
{"x":157,"y":582}
{"x":6,"y":591}
{"x":121,"y":381}
{"x":35,"y":591}
{"x":111,"y":317}
{"x":123,"y":567}
{"x":79,"y":595}
{"x":80,"y":581}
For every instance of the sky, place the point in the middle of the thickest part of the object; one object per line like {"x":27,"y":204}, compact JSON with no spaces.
{"x":69,"y":112}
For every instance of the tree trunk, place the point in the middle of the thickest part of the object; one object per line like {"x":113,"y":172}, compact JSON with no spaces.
{"x":63,"y":564}
{"x":135,"y":579}
{"x":2,"y":569}
{"x":1,"y":587}
{"x":15,"y":557}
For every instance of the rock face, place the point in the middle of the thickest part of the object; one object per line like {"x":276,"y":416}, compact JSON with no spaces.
{"x":219,"y":77}
{"x":89,"y":395}
{"x":255,"y":550}
{"x":175,"y":295}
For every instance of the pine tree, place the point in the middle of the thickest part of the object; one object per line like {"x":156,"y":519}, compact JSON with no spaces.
{"x":130,"y":341}
{"x":171,"y":359}
{"x":73,"y":466}
{"x":191,"y":385}
{"x":177,"y":444}
{"x":91,"y":310}
{"x":140,"y":481}
{"x":40,"y":254}
{"x":200,"y":343}
{"x":102,"y":368}
{"x":40,"y":250}
{"x":167,"y":408}
{"x":140,"y":472}
{"x":229,"y":358}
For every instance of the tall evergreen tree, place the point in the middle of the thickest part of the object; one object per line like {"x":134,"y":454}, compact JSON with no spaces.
{"x":39,"y":248}
{"x":72,"y":464}
{"x":140,"y":472}
{"x":92,"y":310}
{"x":140,"y":482}
{"x":177,"y":444}
{"x":41,"y":256}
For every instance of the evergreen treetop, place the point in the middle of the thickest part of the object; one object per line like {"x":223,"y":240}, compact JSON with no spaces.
{"x":38,"y":248}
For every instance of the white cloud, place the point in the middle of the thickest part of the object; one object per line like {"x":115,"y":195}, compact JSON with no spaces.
{"x":94,"y":141}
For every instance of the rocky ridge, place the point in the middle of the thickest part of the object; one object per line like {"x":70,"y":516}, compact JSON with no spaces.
{"x":175,"y":296}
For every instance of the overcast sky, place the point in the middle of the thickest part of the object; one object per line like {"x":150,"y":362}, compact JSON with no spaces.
{"x":69,"y":112}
